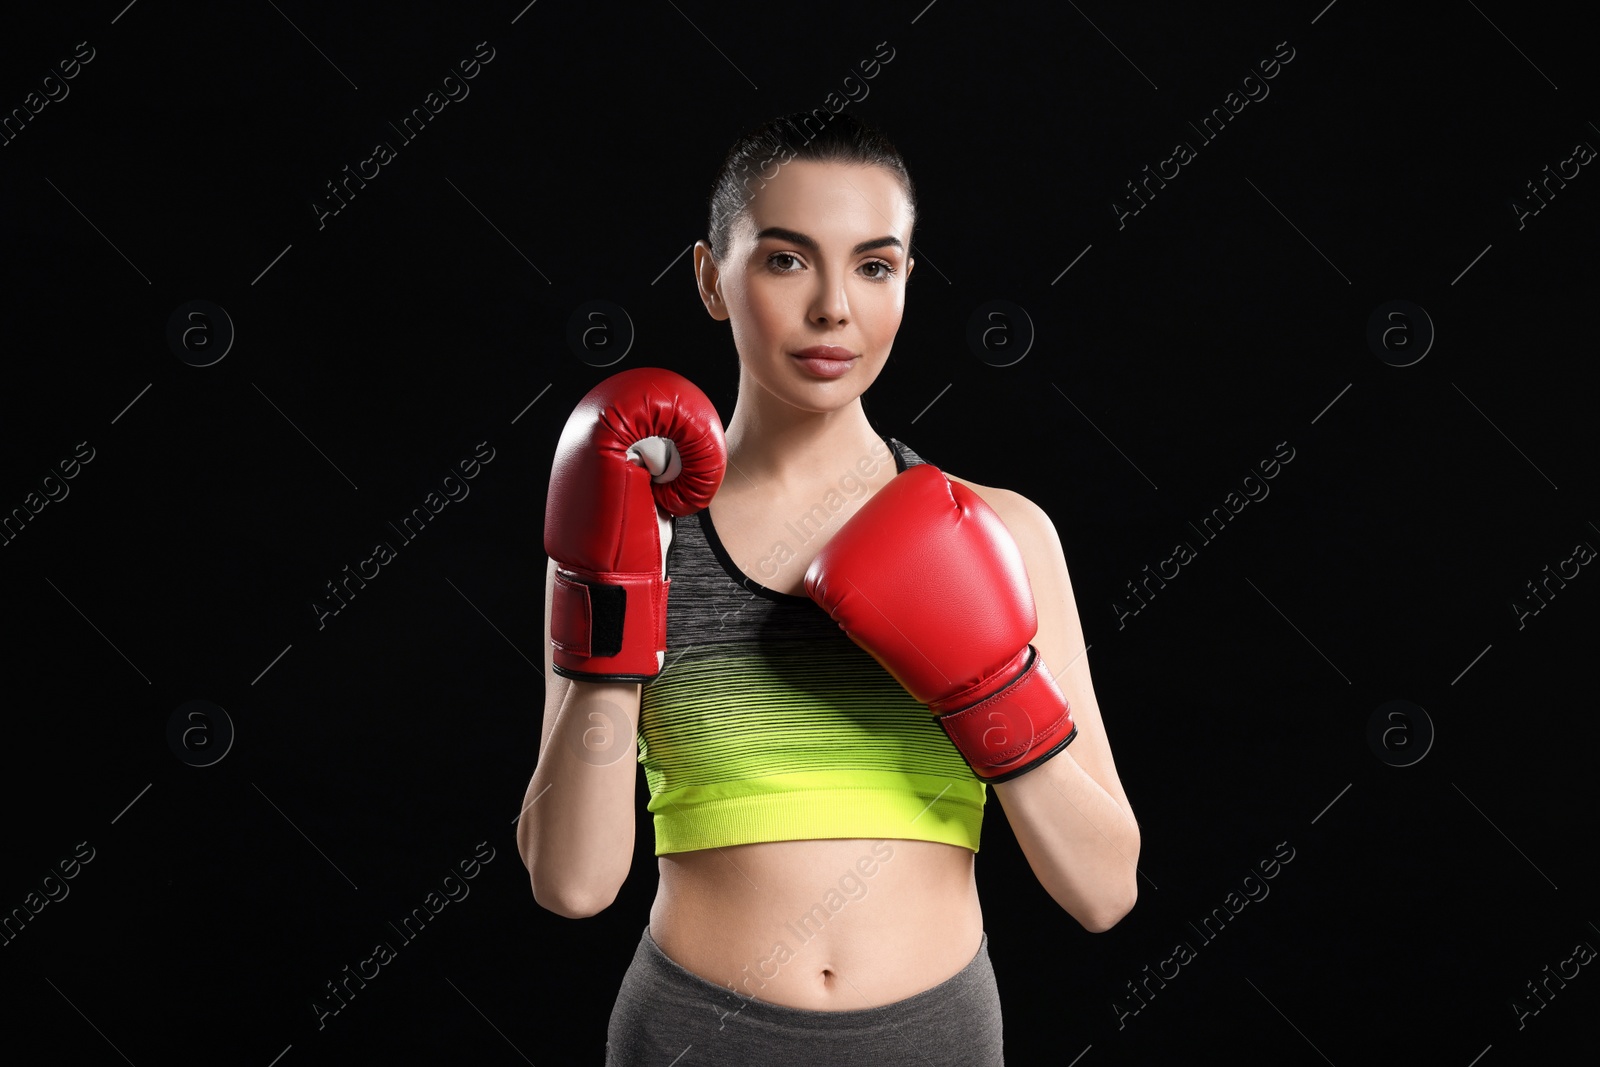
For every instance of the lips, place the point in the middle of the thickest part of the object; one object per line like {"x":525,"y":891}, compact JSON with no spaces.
{"x":826,"y":361}
{"x":833,"y":352}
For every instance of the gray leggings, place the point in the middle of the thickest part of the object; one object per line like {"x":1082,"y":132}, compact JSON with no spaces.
{"x":666,"y":1016}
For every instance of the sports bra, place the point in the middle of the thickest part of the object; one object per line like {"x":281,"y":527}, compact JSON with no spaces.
{"x":767,"y":723}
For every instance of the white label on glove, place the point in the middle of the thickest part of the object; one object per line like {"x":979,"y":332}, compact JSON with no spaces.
{"x":664,"y":523}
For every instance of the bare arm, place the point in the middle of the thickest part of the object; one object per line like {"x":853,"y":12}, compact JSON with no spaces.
{"x":1071,"y":816}
{"x":576,"y":829}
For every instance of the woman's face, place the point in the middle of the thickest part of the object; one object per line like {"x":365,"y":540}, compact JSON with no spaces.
{"x":819,"y":257}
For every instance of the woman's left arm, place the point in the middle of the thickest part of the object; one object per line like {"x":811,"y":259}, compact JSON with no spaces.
{"x":1070,"y":814}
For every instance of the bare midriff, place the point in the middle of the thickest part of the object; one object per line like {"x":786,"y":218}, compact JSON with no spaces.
{"x":828,"y":925}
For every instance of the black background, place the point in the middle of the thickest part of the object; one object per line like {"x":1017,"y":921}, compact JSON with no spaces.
{"x":376,"y":351}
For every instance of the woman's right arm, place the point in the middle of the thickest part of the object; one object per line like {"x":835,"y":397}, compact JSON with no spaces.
{"x":576,"y":828}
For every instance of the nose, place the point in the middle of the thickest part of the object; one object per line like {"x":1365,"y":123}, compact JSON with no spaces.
{"x":830,"y":306}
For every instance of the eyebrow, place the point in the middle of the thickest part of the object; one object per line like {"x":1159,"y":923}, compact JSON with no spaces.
{"x":796,"y":237}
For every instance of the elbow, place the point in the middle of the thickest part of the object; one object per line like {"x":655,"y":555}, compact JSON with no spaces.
{"x":570,"y":902}
{"x":1109,"y":912}
{"x":1103,"y":919}
{"x":568,"y":897}
{"x":1118,"y":900}
{"x":572,"y":887}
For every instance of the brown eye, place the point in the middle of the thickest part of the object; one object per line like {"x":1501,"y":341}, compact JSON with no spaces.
{"x":887,"y":271}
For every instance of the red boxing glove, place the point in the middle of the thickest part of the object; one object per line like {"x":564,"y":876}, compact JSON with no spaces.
{"x":927,"y":579}
{"x":640,"y":439}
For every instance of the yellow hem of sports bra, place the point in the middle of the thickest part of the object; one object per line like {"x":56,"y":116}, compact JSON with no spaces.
{"x":949,"y":811}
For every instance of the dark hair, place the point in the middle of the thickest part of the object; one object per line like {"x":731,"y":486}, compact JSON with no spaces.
{"x":836,"y":138}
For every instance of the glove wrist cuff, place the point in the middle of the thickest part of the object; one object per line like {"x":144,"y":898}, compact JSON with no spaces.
{"x":608,"y":626}
{"x":1015,"y":729}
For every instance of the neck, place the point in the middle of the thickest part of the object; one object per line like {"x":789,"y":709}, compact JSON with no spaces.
{"x":773,"y":445}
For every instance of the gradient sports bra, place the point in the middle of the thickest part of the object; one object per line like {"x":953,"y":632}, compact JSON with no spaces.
{"x":767,"y":723}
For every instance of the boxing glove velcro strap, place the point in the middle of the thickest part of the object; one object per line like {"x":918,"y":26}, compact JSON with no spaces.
{"x":1016,"y":729}
{"x":594,"y":616}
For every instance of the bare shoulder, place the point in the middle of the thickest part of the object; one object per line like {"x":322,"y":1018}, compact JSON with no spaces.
{"x":1059,"y":637}
{"x":1027,"y":521}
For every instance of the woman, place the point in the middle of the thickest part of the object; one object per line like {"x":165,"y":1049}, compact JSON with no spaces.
{"x":816,"y":829}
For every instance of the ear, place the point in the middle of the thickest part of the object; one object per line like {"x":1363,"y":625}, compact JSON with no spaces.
{"x":709,"y":280}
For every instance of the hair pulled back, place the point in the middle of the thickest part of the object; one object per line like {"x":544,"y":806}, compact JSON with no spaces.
{"x":756,"y":157}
